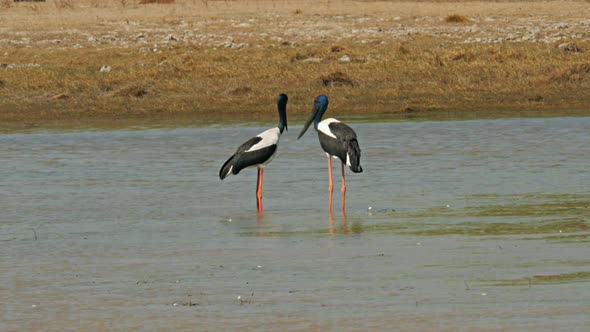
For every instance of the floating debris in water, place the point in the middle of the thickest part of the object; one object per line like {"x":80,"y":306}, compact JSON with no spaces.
{"x":185,"y":304}
{"x":243,"y":300}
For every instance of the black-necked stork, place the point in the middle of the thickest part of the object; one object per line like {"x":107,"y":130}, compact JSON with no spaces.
{"x":258,"y":151}
{"x":338,"y":141}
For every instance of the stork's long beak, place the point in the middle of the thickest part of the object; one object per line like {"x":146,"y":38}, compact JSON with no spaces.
{"x":314,"y":112}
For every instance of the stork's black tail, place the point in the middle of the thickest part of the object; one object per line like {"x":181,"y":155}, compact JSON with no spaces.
{"x":227,"y":168}
{"x":354,"y":154}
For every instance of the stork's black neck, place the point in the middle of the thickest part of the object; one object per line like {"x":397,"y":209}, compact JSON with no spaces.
{"x":282,"y":118}
{"x":322,"y":107}
{"x":282,"y":106}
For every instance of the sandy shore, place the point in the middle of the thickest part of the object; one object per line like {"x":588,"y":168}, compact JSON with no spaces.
{"x":208,"y":61}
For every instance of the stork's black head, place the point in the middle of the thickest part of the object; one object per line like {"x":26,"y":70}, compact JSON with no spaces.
{"x":320,"y":105}
{"x":282,"y":106}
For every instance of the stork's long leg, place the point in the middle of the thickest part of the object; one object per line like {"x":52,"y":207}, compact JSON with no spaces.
{"x":330,"y":182}
{"x":343,"y":189}
{"x":259,"y":190}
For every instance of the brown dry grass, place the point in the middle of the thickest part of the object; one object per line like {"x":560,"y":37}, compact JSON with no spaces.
{"x":144,"y":2}
{"x":456,"y":18}
{"x":204,"y":76}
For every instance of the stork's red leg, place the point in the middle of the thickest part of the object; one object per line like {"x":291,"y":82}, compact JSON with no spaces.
{"x":330,"y":183}
{"x":259,"y":190}
{"x":343,"y":189}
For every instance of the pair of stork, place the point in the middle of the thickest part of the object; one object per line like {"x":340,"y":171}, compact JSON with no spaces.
{"x":337,"y":139}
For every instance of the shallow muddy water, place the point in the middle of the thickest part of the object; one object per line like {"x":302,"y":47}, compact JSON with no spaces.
{"x":453,"y":226}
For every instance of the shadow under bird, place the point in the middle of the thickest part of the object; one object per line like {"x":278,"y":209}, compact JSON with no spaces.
{"x":338,"y":141}
{"x":258,"y":151}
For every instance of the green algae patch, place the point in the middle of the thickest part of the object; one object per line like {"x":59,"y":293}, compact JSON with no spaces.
{"x":549,"y":279}
{"x":563,"y":238}
{"x":506,"y":228}
{"x":560,"y":217}
{"x":558,"y":208}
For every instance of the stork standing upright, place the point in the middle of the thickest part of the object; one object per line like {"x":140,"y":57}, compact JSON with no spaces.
{"x":258,"y":151}
{"x":338,"y":141}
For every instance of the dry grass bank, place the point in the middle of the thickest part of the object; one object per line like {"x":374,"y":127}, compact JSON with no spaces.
{"x":211,"y":59}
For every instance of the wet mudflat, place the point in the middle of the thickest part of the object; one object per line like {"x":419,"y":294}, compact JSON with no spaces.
{"x":453,"y":226}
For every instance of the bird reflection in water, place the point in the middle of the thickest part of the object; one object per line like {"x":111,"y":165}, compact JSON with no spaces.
{"x":343,"y":224}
